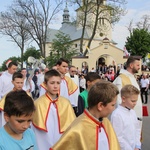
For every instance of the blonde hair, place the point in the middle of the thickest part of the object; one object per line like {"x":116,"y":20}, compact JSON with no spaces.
{"x":128,"y":90}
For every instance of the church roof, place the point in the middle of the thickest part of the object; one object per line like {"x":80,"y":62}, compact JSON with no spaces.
{"x":51,"y":34}
{"x":67,"y":28}
{"x":72,"y":31}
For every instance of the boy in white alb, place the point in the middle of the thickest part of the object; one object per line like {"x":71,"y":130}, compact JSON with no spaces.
{"x":17,"y":81}
{"x":124,"y":120}
{"x":53,"y":113}
{"x":92,"y":130}
{"x":68,"y":88}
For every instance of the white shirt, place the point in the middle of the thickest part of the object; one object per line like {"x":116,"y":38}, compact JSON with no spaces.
{"x":26,"y":85}
{"x":40,"y":79}
{"x":144,"y":82}
{"x":75,"y":79}
{"x":64,"y":89}
{"x":5,"y":83}
{"x":83,"y":83}
{"x":102,"y":140}
{"x":74,"y":98}
{"x":127,"y":128}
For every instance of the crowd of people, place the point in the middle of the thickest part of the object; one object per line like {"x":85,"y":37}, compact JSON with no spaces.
{"x":64,"y":108}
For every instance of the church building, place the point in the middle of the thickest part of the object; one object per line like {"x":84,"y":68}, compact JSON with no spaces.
{"x":102,"y":51}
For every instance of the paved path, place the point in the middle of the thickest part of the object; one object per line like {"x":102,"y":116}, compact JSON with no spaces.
{"x":146,"y":129}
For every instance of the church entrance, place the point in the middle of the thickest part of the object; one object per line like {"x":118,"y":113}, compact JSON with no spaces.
{"x":104,"y":63}
{"x":85,"y":67}
{"x":101,"y":61}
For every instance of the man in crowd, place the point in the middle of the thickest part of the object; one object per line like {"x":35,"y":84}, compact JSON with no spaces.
{"x":72,"y":74}
{"x":6,"y":78}
{"x":127,"y":77}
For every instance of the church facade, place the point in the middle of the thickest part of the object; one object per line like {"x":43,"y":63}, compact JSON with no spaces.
{"x":103,"y":50}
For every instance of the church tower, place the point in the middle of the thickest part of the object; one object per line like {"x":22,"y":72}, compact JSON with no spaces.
{"x":66,"y":16}
{"x":100,"y":1}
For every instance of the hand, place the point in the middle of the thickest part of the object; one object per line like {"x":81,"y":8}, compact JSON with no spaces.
{"x":136,"y":149}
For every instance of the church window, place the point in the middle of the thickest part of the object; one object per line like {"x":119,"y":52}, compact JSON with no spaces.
{"x":76,"y":45}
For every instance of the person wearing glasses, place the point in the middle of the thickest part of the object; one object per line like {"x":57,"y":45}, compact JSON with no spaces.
{"x":72,"y":73}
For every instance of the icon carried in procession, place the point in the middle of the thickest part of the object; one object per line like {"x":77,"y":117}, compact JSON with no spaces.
{"x":36,"y":63}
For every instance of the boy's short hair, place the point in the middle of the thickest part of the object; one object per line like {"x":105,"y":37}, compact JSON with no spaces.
{"x":129,"y":90}
{"x":51,"y":73}
{"x":12,"y":64}
{"x":17,"y":75}
{"x":59,"y":62}
{"x":18,"y":103}
{"x":102,"y":91}
{"x":91,"y":76}
{"x":23,"y":69}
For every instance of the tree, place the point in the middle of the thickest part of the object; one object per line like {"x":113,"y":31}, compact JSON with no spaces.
{"x":138,"y":42}
{"x":144,"y":23}
{"x":102,"y":12}
{"x":31,"y":52}
{"x":39,"y":16}
{"x":14,"y":25}
{"x":130,"y":26}
{"x":61,"y":47}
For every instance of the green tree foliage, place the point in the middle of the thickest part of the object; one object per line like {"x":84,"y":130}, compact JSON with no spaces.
{"x":138,"y":43}
{"x":61,"y":47}
{"x":31,"y":52}
{"x":15,"y":59}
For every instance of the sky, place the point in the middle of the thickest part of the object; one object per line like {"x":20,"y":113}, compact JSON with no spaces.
{"x":135,"y":10}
